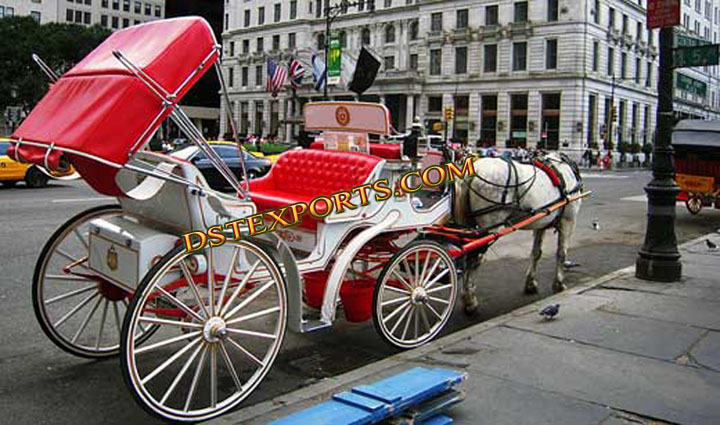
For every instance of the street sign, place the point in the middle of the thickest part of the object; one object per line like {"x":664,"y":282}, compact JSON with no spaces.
{"x":684,"y":57}
{"x":686,"y":41}
{"x":334,"y":61}
{"x":663,"y":13}
{"x":691,"y":85}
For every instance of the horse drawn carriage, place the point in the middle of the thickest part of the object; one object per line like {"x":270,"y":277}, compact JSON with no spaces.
{"x":697,"y":162}
{"x":198,"y":330}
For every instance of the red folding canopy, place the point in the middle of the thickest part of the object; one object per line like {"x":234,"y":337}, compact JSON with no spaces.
{"x":99,"y":113}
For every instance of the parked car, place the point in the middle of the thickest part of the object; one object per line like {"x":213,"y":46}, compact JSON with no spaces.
{"x":256,"y":167}
{"x":12,"y":171}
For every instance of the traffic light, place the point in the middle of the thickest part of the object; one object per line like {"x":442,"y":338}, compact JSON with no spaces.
{"x":449,"y":113}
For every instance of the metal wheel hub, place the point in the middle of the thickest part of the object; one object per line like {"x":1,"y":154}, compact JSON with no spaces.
{"x":419,"y":296}
{"x":214,"y":330}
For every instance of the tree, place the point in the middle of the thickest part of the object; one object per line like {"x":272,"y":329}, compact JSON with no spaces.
{"x":61,"y":46}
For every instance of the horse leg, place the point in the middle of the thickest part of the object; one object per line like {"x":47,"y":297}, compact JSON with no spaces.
{"x":565,"y":230}
{"x":531,"y":285}
{"x":470,"y":298}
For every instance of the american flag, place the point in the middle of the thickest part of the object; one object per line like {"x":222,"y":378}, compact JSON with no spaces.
{"x":297,"y":72}
{"x":276,"y":76}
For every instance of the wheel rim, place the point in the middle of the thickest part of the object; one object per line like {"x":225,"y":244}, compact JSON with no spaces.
{"x":80,"y":312}
{"x":694,"y":204}
{"x":416,"y":296}
{"x":206,"y":360}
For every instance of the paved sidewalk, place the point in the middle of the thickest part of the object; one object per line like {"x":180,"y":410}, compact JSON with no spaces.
{"x":622,"y":351}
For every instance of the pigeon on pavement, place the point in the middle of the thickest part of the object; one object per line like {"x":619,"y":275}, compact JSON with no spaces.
{"x":596,"y":225}
{"x":550,"y":312}
{"x":710,"y":245}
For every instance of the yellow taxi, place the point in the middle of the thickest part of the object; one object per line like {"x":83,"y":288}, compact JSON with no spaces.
{"x":12,"y":171}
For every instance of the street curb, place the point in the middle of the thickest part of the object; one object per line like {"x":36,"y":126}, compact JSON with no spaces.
{"x":330,"y":386}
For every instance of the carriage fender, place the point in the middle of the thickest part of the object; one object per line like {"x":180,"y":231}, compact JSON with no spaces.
{"x":343,"y":261}
{"x":280,"y":251}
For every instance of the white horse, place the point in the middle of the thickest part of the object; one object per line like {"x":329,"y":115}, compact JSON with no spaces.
{"x":503,"y":189}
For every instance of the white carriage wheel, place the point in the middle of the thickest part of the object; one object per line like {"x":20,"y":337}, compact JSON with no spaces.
{"x":694,"y":203}
{"x":79,"y":311}
{"x":415,"y":295}
{"x":214,"y":347}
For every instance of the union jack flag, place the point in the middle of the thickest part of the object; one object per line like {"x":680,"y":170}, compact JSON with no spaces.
{"x":297,"y":72}
{"x":276,"y":76}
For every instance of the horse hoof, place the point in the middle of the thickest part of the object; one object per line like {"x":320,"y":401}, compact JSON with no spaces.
{"x":472,"y":311}
{"x":559,"y":287}
{"x":531,"y":289}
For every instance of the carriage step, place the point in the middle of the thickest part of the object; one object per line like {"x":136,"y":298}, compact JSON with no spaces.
{"x":418,"y":396}
{"x":315,"y":326}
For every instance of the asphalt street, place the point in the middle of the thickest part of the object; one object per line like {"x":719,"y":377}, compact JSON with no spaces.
{"x":40,"y":384}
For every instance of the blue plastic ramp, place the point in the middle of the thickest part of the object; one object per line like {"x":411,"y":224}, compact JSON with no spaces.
{"x":391,"y":397}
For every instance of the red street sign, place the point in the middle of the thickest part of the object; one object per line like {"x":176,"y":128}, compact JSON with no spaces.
{"x":663,"y":13}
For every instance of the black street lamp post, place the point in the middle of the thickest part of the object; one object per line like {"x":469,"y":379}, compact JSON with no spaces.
{"x":659,"y":258}
{"x":332,"y":13}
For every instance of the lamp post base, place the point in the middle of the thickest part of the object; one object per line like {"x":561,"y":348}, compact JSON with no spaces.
{"x":651,"y":267}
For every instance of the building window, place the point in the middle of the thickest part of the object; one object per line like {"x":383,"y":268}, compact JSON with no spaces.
{"x":551,"y":51}
{"x":116,"y":4}
{"x":231,"y":77}
{"x":260,"y":46}
{"x":435,"y":104}
{"x":462,"y":109}
{"x":596,"y":56}
{"x":414,"y":61}
{"x":611,"y":61}
{"x":148,"y":9}
{"x":521,"y":12}
{"x":276,"y":42}
{"x":126,"y":22}
{"x":78,"y":16}
{"x":115,"y":22}
{"x":246,"y":47}
{"x":390,"y":33}
{"x":365,"y":37}
{"x":104,"y":3}
{"x":244,"y":118}
{"x":321,"y":42}
{"x":435,"y":62}
{"x":138,"y":7}
{"x":518,"y":120}
{"x":244,"y":76}
{"x":259,"y":75}
{"x":611,"y":18}
{"x":552,"y":10}
{"x":103,"y":20}
{"x":551,"y":121}
{"x":158,"y":11}
{"x":232,"y":48}
{"x":36,"y":16}
{"x":293,"y":9}
{"x":519,"y":56}
{"x":462,"y":19}
{"x":648,"y":80}
{"x":343,"y":39}
{"x":491,"y":15}
{"x":69,"y":15}
{"x":261,"y":15}
{"x":488,"y":122}
{"x":126,"y":5}
{"x":436,"y":23}
{"x":490,"y":59}
{"x":592,"y":120}
{"x":389,"y":63}
{"x":413,"y":30}
{"x":623,"y":65}
{"x":246,"y":20}
{"x":598,"y":11}
{"x":291,"y":40}
{"x":277,"y":12}
{"x":461,"y":60}
{"x":638,"y":69}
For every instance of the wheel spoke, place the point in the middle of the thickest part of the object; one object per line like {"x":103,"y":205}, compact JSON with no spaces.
{"x":432,"y":270}
{"x":181,"y":374}
{"x":424,"y":269}
{"x":407,"y":310}
{"x":70,"y":294}
{"x":67,"y":256}
{"x":394,"y":301}
{"x":117,"y":318}
{"x":213,"y":376}
{"x":252,"y":333}
{"x":67,"y":278}
{"x":249,"y":299}
{"x":417,"y":319}
{"x":253,"y":315}
{"x":165,"y":343}
{"x":196,"y":379}
{"x":180,"y":304}
{"x":193,"y":287}
{"x":396,"y":312}
{"x":417,"y":268}
{"x":240,"y":287}
{"x":437,"y":278}
{"x":228,"y":277}
{"x":230,"y":366}
{"x":425,"y":319}
{"x":177,"y":323}
{"x":80,"y":237}
{"x":438,"y":300}
{"x":402,"y":280}
{"x":433,"y":311}
{"x":407,"y":322}
{"x":396,"y":290}
{"x":440,"y":288}
{"x":102,"y":325}
{"x":85,"y":322}
{"x":75,"y":309}
{"x":242,"y":349}
{"x":169,"y":361}
{"x":409,"y":271}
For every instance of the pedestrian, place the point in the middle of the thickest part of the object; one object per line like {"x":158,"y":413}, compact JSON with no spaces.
{"x":587,"y":158}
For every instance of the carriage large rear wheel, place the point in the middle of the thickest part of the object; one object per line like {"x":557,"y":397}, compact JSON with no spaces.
{"x":79,"y":311}
{"x":214,"y":347}
{"x":415,"y":295}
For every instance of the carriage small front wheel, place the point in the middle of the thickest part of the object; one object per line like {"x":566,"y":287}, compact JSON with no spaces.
{"x":415,"y":295}
{"x":222,"y":314}
{"x":694,"y":203}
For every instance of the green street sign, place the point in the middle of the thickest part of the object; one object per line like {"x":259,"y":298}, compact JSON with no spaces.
{"x":686,"y":41}
{"x":334,"y":61}
{"x":691,"y":85}
{"x":685,"y":57}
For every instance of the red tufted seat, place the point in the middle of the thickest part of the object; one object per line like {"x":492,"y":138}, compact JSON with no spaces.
{"x":303,"y":175}
{"x":388,"y":151}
